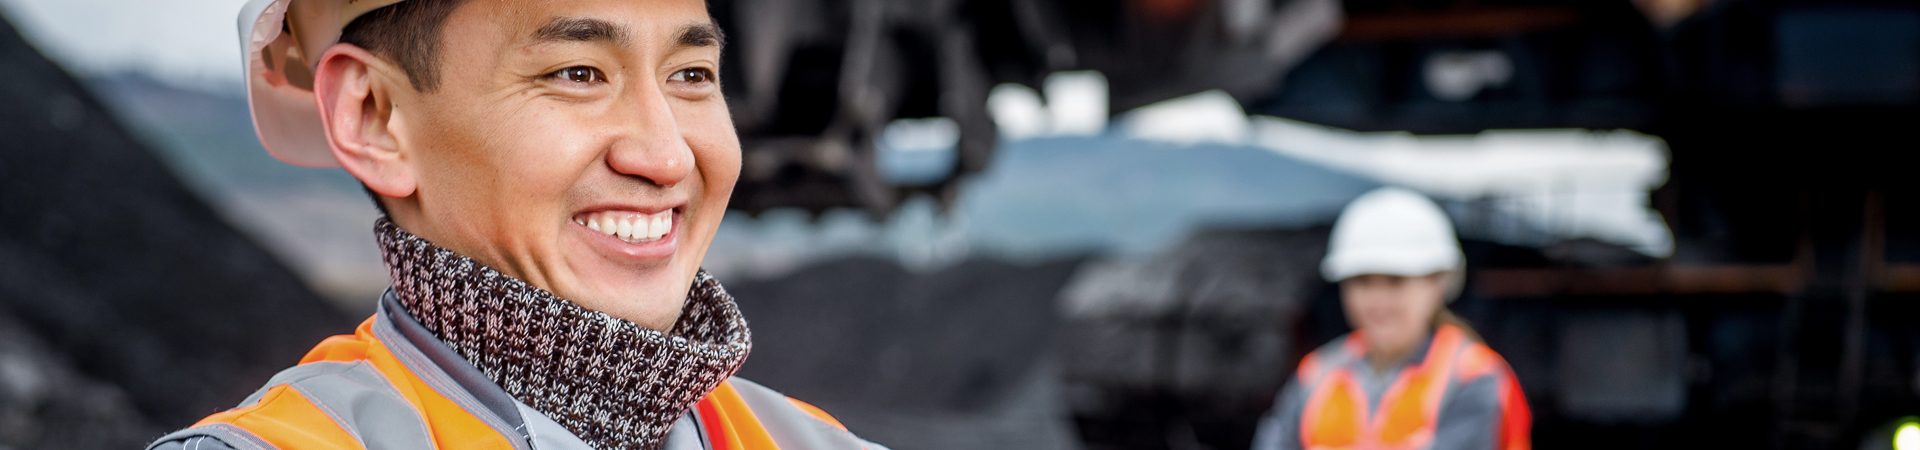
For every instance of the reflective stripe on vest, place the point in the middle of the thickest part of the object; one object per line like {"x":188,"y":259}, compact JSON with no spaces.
{"x":1337,"y":414}
{"x":352,"y":392}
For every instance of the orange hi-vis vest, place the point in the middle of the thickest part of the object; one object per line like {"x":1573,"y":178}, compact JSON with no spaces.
{"x":364,"y":390}
{"x":1337,"y":416}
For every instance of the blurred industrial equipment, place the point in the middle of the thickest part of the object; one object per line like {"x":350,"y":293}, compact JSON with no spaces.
{"x":1785,"y":306}
{"x":812,"y":82}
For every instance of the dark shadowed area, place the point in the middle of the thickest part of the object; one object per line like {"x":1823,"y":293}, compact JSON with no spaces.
{"x":127,"y":307}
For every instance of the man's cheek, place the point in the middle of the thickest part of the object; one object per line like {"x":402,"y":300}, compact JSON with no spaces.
{"x":717,"y":157}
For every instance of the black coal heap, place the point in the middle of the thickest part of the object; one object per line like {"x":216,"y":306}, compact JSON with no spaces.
{"x":127,"y":306}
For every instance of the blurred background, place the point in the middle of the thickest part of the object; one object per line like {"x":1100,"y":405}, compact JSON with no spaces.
{"x":1096,"y":224}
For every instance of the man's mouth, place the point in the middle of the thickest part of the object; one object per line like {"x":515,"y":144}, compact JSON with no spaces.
{"x":630,"y":226}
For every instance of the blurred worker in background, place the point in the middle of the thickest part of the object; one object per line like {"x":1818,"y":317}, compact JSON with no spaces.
{"x":551,"y":174}
{"x":1411,"y":375}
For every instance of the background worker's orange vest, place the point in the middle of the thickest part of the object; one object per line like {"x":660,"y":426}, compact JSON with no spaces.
{"x":351,"y":390}
{"x":1337,"y":414}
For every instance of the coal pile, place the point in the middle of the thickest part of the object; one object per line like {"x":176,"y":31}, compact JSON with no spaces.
{"x":957,"y":358}
{"x":127,"y":306}
{"x":1185,"y":348}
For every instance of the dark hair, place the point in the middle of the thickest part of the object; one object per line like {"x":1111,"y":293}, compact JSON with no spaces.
{"x":377,"y":204}
{"x":407,"y":33}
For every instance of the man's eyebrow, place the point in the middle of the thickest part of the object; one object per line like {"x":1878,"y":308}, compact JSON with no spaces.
{"x":702,"y":35}
{"x":581,"y":29}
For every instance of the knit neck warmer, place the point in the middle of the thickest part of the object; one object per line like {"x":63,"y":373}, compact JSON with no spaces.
{"x":612,"y":382}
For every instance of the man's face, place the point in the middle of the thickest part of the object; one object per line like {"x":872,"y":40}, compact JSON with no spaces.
{"x":582,"y":146}
{"x":1393,"y":312}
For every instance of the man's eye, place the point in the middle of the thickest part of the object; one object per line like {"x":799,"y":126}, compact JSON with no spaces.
{"x":695,"y":75}
{"x":580,"y":74}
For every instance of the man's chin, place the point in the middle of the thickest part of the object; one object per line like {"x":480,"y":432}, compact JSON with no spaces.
{"x":645,"y":283}
{"x":653,"y":305}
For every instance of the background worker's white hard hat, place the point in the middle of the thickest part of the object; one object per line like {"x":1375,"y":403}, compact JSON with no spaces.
{"x":1391,"y":231}
{"x":280,"y":41}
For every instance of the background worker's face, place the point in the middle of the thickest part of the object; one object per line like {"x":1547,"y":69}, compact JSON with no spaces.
{"x":556,"y":117}
{"x":1393,"y":313}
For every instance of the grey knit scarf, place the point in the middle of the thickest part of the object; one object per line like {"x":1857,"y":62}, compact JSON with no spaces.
{"x":612,"y":382}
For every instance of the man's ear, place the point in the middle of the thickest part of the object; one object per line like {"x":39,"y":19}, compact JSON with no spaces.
{"x":356,"y":110}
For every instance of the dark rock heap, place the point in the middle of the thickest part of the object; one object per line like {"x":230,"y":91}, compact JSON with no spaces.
{"x":128,"y":307}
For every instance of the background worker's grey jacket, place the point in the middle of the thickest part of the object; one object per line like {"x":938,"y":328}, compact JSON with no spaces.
{"x":1476,"y":403}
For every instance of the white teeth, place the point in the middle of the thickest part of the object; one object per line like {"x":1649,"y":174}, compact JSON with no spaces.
{"x":662,"y":223}
{"x":629,"y":226}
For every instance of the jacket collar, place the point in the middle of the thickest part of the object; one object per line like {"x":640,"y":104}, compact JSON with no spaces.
{"x":611,"y":382}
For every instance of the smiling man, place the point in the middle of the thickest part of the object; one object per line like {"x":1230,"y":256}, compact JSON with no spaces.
{"x":552,"y":173}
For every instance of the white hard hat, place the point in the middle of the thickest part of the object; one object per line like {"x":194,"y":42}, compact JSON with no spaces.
{"x":281,"y":40}
{"x":1391,"y":231}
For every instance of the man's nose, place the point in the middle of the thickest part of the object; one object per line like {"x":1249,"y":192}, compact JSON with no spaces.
{"x":652,"y":146}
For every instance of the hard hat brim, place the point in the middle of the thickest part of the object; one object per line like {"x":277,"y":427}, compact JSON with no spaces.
{"x":286,"y":115}
{"x":1405,"y":262}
